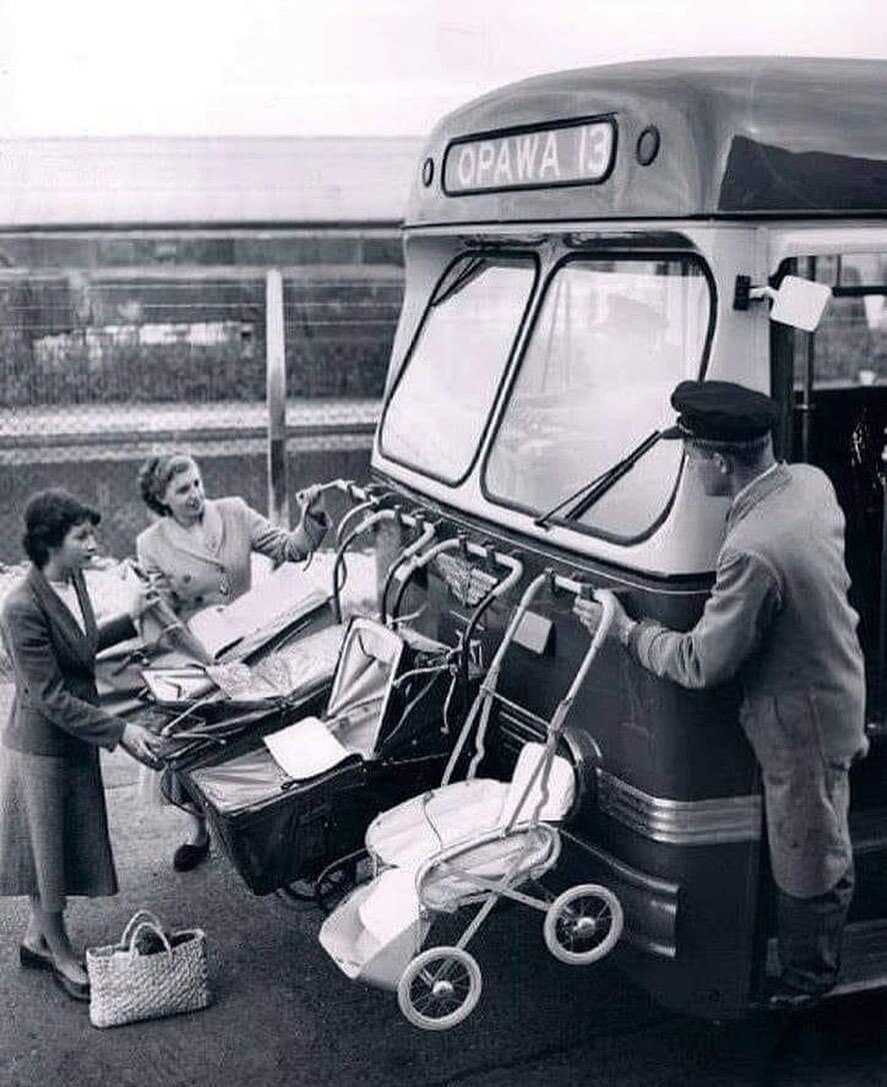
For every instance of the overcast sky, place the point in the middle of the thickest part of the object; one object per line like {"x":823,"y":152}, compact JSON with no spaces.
{"x":338,"y":67}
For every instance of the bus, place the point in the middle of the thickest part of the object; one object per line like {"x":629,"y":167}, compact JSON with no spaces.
{"x":575,"y":245}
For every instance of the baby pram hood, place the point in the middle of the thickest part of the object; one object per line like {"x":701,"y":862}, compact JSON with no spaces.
{"x":361,"y":714}
{"x":365,"y":716}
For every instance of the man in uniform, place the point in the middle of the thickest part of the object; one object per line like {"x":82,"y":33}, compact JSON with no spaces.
{"x":779,"y":620}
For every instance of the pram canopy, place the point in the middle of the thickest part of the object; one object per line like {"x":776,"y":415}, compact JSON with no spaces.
{"x":367,"y":714}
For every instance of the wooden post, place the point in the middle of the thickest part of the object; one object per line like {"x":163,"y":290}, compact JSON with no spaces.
{"x":278,"y":492}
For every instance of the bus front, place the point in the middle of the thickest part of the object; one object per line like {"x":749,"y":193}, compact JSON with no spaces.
{"x":576,"y":245}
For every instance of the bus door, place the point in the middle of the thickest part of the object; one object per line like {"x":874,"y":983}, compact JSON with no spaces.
{"x":836,"y":380}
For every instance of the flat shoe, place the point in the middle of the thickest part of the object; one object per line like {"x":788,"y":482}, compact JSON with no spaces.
{"x":34,"y":960}
{"x":189,"y":856}
{"x":76,"y":990}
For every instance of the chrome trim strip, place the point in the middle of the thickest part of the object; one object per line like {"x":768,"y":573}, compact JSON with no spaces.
{"x":680,"y":822}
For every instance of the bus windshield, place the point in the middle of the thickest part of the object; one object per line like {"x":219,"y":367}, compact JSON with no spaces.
{"x":612,"y":339}
{"x":436,"y":414}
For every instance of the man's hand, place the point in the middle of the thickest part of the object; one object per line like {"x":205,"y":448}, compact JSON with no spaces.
{"x":589,"y":613}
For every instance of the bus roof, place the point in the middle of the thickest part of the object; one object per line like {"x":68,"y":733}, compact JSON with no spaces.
{"x":183,"y":181}
{"x":725,"y":137}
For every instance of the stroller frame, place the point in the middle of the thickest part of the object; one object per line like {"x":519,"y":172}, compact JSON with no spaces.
{"x":440,"y":986}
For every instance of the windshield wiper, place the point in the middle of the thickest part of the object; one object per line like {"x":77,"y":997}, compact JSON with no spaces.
{"x":579,"y":502}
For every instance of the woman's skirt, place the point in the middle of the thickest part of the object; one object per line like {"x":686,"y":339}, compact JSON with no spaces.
{"x":53,"y":828}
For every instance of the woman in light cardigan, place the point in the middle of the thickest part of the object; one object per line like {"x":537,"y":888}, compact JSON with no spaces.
{"x":198,"y":553}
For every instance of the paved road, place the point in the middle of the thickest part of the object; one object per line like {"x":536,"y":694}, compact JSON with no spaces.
{"x":283,"y":1014}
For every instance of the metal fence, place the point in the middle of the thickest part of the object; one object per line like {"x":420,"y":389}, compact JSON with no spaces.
{"x":113,"y":347}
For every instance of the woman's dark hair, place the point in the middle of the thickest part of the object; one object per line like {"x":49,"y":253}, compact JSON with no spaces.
{"x":154,"y":477}
{"x":49,"y":516}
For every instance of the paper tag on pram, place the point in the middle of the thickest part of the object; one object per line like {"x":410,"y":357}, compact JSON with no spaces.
{"x":305,"y":749}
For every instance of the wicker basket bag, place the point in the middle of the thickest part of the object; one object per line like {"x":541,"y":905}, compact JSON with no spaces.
{"x":148,"y":974}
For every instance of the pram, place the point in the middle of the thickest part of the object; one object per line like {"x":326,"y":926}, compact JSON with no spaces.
{"x":471,"y":842}
{"x":300,"y":802}
{"x":275,"y":673}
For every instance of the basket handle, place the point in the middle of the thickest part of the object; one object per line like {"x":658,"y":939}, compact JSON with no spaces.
{"x":137,"y":918}
{"x":150,"y":926}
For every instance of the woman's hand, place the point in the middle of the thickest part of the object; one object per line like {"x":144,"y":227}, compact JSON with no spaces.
{"x":142,"y":592}
{"x":141,"y":743}
{"x":313,"y":522}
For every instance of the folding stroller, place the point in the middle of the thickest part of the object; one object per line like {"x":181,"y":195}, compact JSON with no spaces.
{"x":471,"y":842}
{"x":302,"y":799}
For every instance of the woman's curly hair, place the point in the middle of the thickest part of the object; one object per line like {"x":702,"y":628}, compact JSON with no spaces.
{"x":49,"y":516}
{"x":154,"y":477}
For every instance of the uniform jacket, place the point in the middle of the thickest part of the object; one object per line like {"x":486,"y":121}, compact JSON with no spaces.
{"x":190,"y":576}
{"x":55,"y":711}
{"x":779,"y":619}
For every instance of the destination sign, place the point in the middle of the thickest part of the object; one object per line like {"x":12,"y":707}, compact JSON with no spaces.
{"x":569,"y":154}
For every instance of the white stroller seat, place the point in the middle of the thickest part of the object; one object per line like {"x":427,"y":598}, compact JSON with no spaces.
{"x":422,"y":826}
{"x":514,"y":856}
{"x":419,"y":828}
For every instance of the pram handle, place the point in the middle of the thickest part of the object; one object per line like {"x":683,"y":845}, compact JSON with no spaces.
{"x":488,"y":686}
{"x":367,"y":498}
{"x":483,"y":703}
{"x":459,"y":543}
{"x":542,"y":769}
{"x":389,"y":513}
{"x":425,"y":537}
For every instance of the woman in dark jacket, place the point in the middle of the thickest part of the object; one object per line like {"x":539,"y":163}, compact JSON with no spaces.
{"x":53,"y":824}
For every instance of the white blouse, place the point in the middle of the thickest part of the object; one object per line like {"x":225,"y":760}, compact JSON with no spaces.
{"x":66,"y":592}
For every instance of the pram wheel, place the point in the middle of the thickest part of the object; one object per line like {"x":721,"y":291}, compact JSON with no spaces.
{"x":337,"y":880}
{"x":298,"y":891}
{"x":583,"y":924}
{"x":439,"y":988}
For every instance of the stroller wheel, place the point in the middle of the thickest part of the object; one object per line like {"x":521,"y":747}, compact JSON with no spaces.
{"x":583,"y":924}
{"x":439,"y":988}
{"x":336,"y":881}
{"x":297,"y":891}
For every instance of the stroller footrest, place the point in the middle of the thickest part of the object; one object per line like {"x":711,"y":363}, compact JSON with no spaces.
{"x":377,"y":930}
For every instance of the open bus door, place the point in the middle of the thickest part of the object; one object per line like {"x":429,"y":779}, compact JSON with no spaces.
{"x":835,"y":379}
